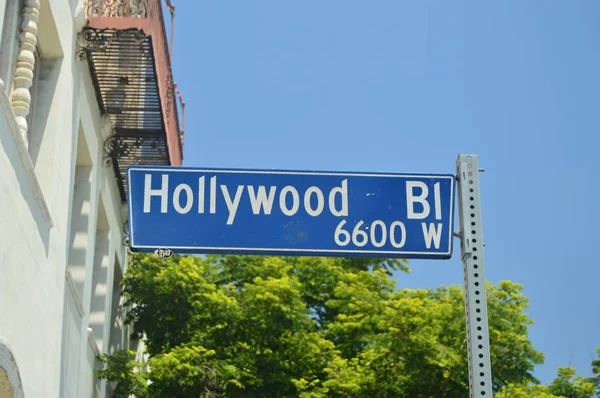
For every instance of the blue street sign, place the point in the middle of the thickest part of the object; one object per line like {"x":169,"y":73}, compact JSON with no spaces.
{"x":190,"y":210}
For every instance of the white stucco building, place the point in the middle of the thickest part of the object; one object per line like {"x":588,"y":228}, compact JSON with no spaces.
{"x":85,"y":90}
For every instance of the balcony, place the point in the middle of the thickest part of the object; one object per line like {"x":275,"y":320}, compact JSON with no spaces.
{"x":125,"y":44}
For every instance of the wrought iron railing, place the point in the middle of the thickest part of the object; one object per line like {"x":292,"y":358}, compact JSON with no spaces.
{"x":145,"y":16}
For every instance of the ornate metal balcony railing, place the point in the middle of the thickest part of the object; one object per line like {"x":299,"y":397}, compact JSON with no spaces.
{"x":126,"y":45}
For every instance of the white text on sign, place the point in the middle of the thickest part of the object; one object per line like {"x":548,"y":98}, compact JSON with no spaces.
{"x":289,"y":200}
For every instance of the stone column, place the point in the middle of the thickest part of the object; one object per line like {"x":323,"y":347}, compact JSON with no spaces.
{"x":23,"y":79}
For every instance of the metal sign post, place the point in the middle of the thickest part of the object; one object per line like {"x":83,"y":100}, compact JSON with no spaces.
{"x":471,"y":235}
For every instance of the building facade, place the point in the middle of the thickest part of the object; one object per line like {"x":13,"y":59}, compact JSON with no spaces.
{"x":85,"y":90}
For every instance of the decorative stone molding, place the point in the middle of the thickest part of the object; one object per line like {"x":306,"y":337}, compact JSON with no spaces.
{"x":21,"y":97}
{"x":117,"y":8}
{"x":9,"y":365}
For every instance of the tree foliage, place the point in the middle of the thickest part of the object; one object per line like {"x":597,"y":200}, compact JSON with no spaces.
{"x":233,"y":326}
{"x":125,"y":372}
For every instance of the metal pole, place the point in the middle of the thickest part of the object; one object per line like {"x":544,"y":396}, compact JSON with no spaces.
{"x":471,"y":236}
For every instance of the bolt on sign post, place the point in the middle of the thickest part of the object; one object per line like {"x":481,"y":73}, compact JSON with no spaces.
{"x":310,"y":213}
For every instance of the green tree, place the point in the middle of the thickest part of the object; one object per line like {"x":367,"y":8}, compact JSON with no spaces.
{"x":565,"y":385}
{"x":236,"y":326}
{"x":568,"y":385}
{"x":126,"y":373}
{"x":524,"y":391}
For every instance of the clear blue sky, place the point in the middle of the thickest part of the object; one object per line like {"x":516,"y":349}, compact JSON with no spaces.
{"x":404,"y":86}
